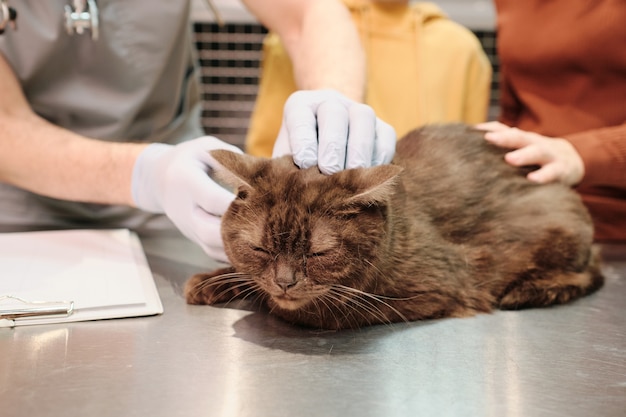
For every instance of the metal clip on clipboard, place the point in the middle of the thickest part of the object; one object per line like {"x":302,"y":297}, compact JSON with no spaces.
{"x":15,"y":308}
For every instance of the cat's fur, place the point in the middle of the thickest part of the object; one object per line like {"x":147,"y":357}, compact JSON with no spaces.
{"x":448,"y":230}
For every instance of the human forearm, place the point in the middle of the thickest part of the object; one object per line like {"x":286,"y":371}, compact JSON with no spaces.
{"x":37,"y":156}
{"x":48,"y":160}
{"x":322,"y":41}
{"x":329,"y":54}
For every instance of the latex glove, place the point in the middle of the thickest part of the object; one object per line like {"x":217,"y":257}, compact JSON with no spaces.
{"x":174,"y":180}
{"x":325,"y":128}
{"x":557,"y":159}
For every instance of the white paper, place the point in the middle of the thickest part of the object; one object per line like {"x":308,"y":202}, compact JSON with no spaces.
{"x":103,"y":272}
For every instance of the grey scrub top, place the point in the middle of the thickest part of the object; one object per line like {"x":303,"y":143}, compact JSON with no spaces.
{"x":137,"y":82}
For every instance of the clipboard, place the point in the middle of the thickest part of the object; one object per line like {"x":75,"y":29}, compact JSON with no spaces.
{"x":74,"y":275}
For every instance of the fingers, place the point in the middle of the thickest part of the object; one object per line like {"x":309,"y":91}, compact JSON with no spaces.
{"x":557,"y":159}
{"x":207,"y":233}
{"x":547,"y":173}
{"x":511,"y":137}
{"x":533,"y":154}
{"x":385,"y":144}
{"x":300,"y":129}
{"x":367,"y":140}
{"x":199,"y":186}
{"x":210,"y":196}
{"x":536,"y":155}
{"x":174,"y":180}
{"x":211,"y":143}
{"x":326,"y":129}
{"x":208,"y":202}
{"x":333,"y":120}
{"x":361,"y":137}
{"x":491,"y":126}
{"x":355,"y":138}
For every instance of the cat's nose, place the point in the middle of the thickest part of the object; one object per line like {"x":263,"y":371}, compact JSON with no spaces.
{"x":285,"y":276}
{"x":286,"y":283}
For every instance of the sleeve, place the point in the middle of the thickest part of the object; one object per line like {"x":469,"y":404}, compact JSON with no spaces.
{"x":603,"y":152}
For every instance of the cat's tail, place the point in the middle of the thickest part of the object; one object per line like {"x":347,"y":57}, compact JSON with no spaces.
{"x":536,"y":288}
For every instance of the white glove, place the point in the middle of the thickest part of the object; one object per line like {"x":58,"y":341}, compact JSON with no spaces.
{"x":174,"y":180}
{"x":325,"y":128}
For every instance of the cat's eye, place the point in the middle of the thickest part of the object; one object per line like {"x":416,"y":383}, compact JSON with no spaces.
{"x":317,"y":254}
{"x":242,"y":194}
{"x":260,"y":250}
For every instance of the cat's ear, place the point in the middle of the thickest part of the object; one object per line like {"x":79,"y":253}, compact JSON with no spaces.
{"x":236,"y":170}
{"x":374,"y":185}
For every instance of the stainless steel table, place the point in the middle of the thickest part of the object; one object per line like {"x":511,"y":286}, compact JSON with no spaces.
{"x":210,"y":361}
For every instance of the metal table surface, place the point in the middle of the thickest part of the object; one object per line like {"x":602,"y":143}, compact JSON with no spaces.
{"x":210,"y":361}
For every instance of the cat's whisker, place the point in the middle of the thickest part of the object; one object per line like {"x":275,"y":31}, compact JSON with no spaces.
{"x":361,"y":304}
{"x":374,"y":311}
{"x":238,"y":283}
{"x":320,"y":300}
{"x":244,"y":285}
{"x":207,"y":284}
{"x":370,"y":312}
{"x":367,"y":261}
{"x":227,"y":285}
{"x":224,"y":278}
{"x":256,"y":291}
{"x":386,"y":297}
{"x":365,"y":296}
{"x":332,"y":310}
{"x":361,"y":311}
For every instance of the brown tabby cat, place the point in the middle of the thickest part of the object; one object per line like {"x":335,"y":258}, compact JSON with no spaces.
{"x":448,"y":230}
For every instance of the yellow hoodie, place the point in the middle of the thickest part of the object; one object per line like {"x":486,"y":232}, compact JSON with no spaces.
{"x":421,"y":68}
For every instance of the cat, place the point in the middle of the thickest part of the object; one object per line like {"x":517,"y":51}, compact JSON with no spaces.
{"x":449,"y":229}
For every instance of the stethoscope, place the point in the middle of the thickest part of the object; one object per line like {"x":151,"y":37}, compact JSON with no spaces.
{"x":84,"y":15}
{"x":80,"y":16}
{"x":8,"y":16}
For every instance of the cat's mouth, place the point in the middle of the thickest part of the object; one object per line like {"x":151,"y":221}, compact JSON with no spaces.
{"x":288,"y":302}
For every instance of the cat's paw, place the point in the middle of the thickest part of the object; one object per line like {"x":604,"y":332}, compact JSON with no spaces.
{"x":194,"y":292}
{"x":211,"y":288}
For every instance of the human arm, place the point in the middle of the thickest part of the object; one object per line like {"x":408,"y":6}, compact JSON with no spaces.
{"x":321,"y":40}
{"x":40,"y":157}
{"x":324,"y":123}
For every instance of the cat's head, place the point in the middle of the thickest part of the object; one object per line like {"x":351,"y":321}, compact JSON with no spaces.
{"x":303,"y":236}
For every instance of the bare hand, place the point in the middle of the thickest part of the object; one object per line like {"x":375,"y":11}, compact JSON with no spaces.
{"x":557,"y":158}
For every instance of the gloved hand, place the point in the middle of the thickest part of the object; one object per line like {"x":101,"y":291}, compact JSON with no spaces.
{"x":174,"y":180}
{"x":327,"y":129}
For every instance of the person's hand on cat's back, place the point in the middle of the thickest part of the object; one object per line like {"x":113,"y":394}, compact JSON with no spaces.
{"x":327,"y":129}
{"x":557,"y":159}
{"x":175,"y":180}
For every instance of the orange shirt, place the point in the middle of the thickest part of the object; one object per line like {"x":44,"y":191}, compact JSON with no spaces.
{"x":563,"y":74}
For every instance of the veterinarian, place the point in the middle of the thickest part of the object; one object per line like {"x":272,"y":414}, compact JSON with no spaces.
{"x":86,"y":86}
{"x":563,"y":98}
